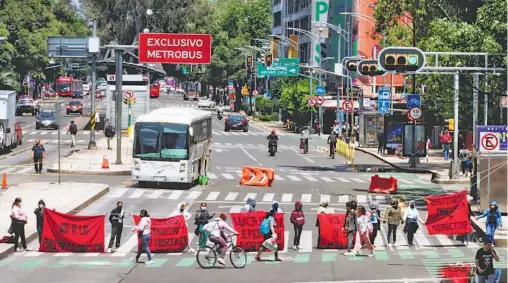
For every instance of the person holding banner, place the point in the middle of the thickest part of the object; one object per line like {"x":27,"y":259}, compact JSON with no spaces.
{"x":39,"y":214}
{"x":493,"y":220}
{"x":200,"y":220}
{"x":412,"y":218}
{"x":186,"y":215}
{"x":267,"y":228}
{"x":144,"y":231}
{"x":116,"y":219}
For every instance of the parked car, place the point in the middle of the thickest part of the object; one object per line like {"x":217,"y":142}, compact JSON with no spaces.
{"x":74,"y":106}
{"x":236,"y":122}
{"x":206,"y":103}
{"x":25,"y":105}
{"x":19,"y":133}
{"x":46,"y":119}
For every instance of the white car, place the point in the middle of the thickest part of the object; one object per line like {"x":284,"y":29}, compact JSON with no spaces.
{"x":206,"y":103}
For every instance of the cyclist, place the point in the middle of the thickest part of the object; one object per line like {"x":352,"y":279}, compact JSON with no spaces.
{"x":216,"y":234}
{"x":332,"y":140}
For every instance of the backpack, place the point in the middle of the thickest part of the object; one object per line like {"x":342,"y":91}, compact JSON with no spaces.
{"x":264,"y":228}
{"x":73,"y":129}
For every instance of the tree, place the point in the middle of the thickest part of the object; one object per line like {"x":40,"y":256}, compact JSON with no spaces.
{"x":293,"y":99}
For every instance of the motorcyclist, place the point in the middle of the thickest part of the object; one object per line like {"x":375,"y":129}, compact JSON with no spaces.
{"x":332,"y":140}
{"x":272,"y":138}
{"x":305,"y":134}
{"x":219,"y":113}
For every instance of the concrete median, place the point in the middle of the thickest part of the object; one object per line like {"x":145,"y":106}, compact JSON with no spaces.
{"x":68,"y":198}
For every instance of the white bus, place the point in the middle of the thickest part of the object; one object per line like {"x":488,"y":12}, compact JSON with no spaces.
{"x":172,"y":145}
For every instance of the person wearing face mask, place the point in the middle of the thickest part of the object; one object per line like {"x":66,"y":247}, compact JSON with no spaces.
{"x":393,"y":215}
{"x":186,"y":215}
{"x":116,"y":219}
{"x":249,"y":206}
{"x":19,"y":219}
{"x":275,"y":207}
{"x":200,"y":220}
{"x":298,"y":219}
{"x":144,"y":229}
{"x":39,"y":214}
{"x":412,"y":218}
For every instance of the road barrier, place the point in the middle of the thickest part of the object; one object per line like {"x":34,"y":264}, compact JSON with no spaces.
{"x":257,"y":176}
{"x":383,"y":185}
{"x":346,"y":150}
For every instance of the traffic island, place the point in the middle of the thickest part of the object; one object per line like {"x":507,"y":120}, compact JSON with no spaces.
{"x":68,"y":198}
{"x":91,"y":161}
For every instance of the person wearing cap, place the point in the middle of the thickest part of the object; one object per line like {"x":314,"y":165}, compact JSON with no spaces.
{"x":411,"y":218}
{"x":493,"y":220}
{"x":275,"y":207}
{"x":485,"y":271}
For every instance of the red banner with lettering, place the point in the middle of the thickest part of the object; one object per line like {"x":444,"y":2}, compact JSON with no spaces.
{"x":330,"y":231}
{"x":168,"y":235}
{"x":448,"y":214}
{"x":72,"y":233}
{"x":247,"y":225}
{"x":456,"y":273}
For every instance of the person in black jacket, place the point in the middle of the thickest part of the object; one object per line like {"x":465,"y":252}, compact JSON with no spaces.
{"x":109,"y":132}
{"x":116,"y":219}
{"x":200,"y":220}
{"x":39,"y":214}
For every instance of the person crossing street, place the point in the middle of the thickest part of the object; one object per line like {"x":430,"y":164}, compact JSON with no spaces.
{"x":116,"y":219}
{"x":38,"y":155}
{"x":73,"y":129}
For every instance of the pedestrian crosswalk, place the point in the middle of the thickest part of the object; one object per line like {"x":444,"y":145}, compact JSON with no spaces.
{"x":34,"y":133}
{"x":250,"y":133}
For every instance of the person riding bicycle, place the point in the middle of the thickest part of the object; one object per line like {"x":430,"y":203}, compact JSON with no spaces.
{"x":216,"y":234}
{"x":272,"y":138}
{"x":304,"y":137}
{"x":332,"y":140}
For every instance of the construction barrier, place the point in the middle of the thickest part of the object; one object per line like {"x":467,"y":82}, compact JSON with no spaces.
{"x":346,"y":150}
{"x":257,"y":176}
{"x":382,"y":185}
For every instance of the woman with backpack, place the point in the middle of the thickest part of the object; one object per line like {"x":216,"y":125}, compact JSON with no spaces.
{"x":267,"y":229}
{"x":364,"y":230}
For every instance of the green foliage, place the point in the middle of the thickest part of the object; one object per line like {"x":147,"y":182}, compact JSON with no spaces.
{"x":263,"y":105}
{"x":27,"y":25}
{"x":293,"y":99}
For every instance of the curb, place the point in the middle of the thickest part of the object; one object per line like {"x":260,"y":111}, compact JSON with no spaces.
{"x":88,"y":172}
{"x":450,"y":181}
{"x":76,"y":210}
{"x":402,"y":169}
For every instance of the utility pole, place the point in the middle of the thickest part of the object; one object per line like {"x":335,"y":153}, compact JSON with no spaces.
{"x":456,"y":125}
{"x":475,"y":106}
{"x":92,"y":144}
{"x":118,"y":105}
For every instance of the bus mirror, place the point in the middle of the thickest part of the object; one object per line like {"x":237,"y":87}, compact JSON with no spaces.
{"x":191,"y":131}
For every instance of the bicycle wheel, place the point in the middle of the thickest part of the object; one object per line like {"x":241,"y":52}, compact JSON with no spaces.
{"x":238,"y":257}
{"x":206,"y":257}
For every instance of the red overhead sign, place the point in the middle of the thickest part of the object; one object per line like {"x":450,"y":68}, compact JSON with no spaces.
{"x":175,"y":48}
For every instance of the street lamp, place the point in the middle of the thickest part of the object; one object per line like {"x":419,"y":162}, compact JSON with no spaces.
{"x":149,"y":12}
{"x":146,"y":30}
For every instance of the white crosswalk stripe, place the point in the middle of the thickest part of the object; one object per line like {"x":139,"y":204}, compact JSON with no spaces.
{"x":268,"y":197}
{"x":306,"y":198}
{"x":231,"y":196}
{"x":212,"y":196}
{"x":286,"y":197}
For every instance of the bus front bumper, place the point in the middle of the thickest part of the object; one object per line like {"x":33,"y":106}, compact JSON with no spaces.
{"x":137,"y":175}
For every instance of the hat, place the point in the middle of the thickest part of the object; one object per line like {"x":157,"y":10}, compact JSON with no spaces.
{"x":487,"y":241}
{"x":494,"y":203}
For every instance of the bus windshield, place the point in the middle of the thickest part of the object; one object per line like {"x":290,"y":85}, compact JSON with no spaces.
{"x":64,"y":86}
{"x":161,"y":141}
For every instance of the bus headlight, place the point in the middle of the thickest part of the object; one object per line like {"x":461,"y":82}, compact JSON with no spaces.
{"x":136,"y":164}
{"x":182,"y":167}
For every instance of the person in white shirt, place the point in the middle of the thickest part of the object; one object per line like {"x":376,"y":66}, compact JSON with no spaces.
{"x":143,"y":228}
{"x":412,"y":218}
{"x":215,"y":230}
{"x":19,"y":219}
{"x":186,"y":215}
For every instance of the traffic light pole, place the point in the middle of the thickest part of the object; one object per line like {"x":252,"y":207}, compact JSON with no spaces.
{"x":413,"y":159}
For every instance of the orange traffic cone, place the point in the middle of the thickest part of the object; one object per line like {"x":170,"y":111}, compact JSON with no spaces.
{"x":105,"y":162}
{"x":4,"y":182}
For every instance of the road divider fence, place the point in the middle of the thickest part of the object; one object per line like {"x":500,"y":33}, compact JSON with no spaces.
{"x":347,"y":151}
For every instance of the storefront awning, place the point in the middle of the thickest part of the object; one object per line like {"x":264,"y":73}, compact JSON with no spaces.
{"x":332,"y":104}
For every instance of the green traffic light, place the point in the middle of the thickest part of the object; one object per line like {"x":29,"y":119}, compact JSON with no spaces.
{"x":412,"y":60}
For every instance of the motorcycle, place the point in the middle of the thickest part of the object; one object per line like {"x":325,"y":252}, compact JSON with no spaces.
{"x":273,"y":148}
{"x":219,"y":116}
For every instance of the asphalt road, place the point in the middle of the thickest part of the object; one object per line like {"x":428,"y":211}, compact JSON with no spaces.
{"x":310,"y":178}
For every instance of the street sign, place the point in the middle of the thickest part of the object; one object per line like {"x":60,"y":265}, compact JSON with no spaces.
{"x":67,"y":47}
{"x":492,"y":138}
{"x":129,"y":94}
{"x":284,"y":67}
{"x":320,"y":90}
{"x":413,"y":100}
{"x":311,"y":101}
{"x":175,"y":48}
{"x":110,"y":78}
{"x":320,"y":100}
{"x":489,"y":142}
{"x":347,"y":105}
{"x":383,"y":102}
{"x":414,"y":114}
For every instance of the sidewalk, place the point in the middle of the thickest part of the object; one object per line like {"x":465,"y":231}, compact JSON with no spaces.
{"x":89,"y":161}
{"x":66,"y":197}
{"x":436,"y":166}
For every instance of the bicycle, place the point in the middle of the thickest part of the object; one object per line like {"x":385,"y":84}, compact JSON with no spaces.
{"x":209,"y":255}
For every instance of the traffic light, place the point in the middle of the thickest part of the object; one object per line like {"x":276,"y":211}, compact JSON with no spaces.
{"x":125,"y":100}
{"x":351,"y":64}
{"x":262,"y":59}
{"x":370,"y":68}
{"x":269,"y":59}
{"x":249,"y":62}
{"x":402,"y":59}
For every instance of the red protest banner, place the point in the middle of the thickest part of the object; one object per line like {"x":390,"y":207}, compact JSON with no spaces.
{"x":169,"y":235}
{"x":448,"y":214}
{"x":247,"y":225}
{"x":330,"y":231}
{"x":72,"y":233}
{"x":456,"y":273}
{"x":175,"y":48}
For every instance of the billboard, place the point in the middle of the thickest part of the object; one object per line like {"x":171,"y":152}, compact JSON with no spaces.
{"x":175,"y":48}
